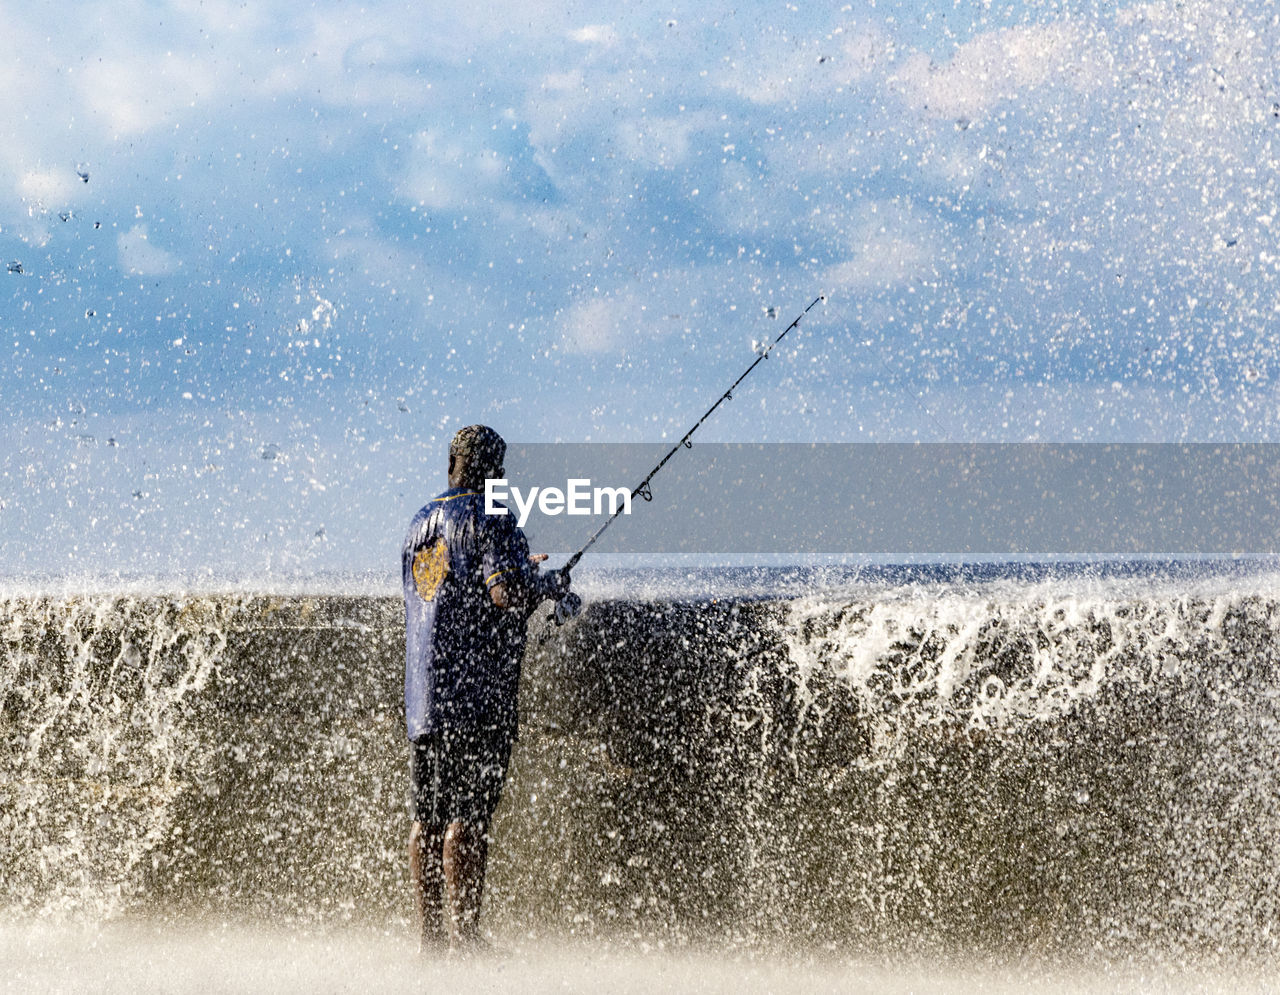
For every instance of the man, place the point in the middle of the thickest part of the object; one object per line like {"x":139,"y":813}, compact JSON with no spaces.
{"x":469,"y":588}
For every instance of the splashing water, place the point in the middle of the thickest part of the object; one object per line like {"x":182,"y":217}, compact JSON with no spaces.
{"x":1063,"y":767}
{"x":97,"y":700}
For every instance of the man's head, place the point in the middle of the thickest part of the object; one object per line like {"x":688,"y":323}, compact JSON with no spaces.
{"x":475,"y":454}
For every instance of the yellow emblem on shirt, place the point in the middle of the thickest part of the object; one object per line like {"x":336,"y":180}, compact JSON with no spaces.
{"x":430,"y":567}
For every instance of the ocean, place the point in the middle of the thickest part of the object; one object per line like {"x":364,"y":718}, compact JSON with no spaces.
{"x":931,"y":776}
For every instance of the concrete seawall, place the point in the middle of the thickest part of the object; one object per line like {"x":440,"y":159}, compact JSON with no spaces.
{"x":685,"y":772}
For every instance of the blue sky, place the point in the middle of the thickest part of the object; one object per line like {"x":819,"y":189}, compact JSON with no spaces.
{"x":314,"y":240}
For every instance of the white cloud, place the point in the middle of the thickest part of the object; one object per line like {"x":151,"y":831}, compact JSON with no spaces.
{"x":890,"y":246}
{"x":740,"y":201}
{"x":634,"y":315}
{"x":1155,"y":15}
{"x":863,"y":50}
{"x":677,"y":308}
{"x":999,"y":65}
{"x":36,"y":171}
{"x":888,"y":261}
{"x":591,"y":327}
{"x":444,"y":174}
{"x":227,"y":17}
{"x":43,"y":190}
{"x":595,"y":34}
{"x":135,"y":94}
{"x":661,"y":142}
{"x":780,"y":72}
{"x":777,"y":76}
{"x":394,"y":269}
{"x":566,"y":82}
{"x":138,"y":257}
{"x":41,"y":195}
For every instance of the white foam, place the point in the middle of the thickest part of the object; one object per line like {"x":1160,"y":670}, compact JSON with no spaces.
{"x":1005,"y":650}
{"x":141,"y":958}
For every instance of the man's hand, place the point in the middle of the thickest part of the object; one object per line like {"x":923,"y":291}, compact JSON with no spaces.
{"x":553,"y":584}
{"x":499,"y":595}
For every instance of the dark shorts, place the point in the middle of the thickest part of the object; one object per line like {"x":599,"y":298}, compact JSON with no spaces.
{"x":457,"y":776}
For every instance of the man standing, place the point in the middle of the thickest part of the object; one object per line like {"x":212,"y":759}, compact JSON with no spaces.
{"x":469,"y":588}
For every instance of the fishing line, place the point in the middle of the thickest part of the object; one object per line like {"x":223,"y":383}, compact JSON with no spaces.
{"x":571,"y":604}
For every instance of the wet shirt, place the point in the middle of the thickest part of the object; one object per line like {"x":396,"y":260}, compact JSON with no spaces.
{"x":462,"y":652}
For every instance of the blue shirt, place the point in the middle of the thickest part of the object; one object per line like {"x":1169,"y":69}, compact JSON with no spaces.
{"x":462,"y":652}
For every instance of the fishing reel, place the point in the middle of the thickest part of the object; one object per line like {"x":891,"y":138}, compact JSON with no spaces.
{"x":568,"y":607}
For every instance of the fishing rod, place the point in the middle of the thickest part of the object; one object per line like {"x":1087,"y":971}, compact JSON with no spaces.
{"x":571,"y":602}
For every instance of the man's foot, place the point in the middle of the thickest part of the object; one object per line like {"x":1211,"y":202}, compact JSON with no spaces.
{"x":469,"y":947}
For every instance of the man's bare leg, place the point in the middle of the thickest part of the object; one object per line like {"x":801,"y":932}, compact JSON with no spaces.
{"x":426,"y":868}
{"x":465,"y":854}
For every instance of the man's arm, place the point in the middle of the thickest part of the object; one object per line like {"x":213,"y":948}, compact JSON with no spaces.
{"x":501,"y":596}
{"x":511,"y":575}
{"x":526,"y":594}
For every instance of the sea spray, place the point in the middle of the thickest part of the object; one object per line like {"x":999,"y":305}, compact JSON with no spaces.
{"x":97,"y":698}
{"x":1056,"y":766}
